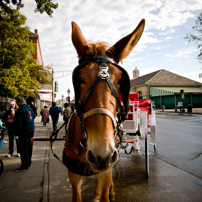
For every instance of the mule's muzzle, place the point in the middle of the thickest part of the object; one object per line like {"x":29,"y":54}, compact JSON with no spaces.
{"x":99,"y":163}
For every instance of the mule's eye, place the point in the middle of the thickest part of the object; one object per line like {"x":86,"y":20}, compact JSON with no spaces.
{"x":81,"y":80}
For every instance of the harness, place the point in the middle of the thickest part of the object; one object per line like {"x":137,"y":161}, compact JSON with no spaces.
{"x":103,"y":74}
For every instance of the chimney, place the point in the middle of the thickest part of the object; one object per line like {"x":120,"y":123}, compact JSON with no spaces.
{"x":36,"y":31}
{"x":136,"y":73}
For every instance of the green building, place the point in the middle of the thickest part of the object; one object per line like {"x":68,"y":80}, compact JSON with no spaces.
{"x":168,"y":89}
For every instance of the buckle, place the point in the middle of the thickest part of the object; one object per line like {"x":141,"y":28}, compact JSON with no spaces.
{"x":103,"y":71}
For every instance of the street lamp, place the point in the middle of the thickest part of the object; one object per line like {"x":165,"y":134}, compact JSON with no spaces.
{"x":62,"y":100}
{"x":68,"y":92}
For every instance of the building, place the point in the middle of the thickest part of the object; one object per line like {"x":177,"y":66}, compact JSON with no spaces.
{"x":167,"y":89}
{"x":34,"y":38}
{"x":45,"y":91}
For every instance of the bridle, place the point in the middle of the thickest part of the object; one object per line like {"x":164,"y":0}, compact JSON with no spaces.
{"x":103,"y":74}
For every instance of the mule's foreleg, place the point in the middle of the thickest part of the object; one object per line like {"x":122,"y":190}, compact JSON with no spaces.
{"x":111,"y":192}
{"x":76,"y":182}
{"x":104,"y":191}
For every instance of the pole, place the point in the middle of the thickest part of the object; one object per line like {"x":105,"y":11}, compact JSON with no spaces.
{"x":52,"y":86}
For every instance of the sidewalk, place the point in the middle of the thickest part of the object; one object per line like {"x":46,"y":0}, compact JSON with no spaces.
{"x":194,"y":111}
{"x":34,"y":184}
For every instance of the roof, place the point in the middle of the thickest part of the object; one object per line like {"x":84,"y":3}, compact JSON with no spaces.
{"x":33,"y":35}
{"x":163,"y":77}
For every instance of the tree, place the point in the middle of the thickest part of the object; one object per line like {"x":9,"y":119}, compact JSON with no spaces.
{"x":197,"y":36}
{"x":41,"y":5}
{"x":19,"y":75}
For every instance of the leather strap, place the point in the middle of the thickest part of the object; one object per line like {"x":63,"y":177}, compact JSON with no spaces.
{"x":101,"y":111}
{"x":87,"y":95}
{"x":121,"y":116}
{"x":98,"y":58}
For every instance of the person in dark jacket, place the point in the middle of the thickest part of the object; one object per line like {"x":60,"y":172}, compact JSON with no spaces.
{"x":8,"y":119}
{"x":33,"y":109}
{"x":24,"y":118}
{"x":54,"y":112}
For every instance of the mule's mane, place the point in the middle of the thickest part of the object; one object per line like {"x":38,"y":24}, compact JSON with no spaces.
{"x":95,"y":48}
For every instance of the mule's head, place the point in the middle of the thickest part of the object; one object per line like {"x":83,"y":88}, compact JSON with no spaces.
{"x":98,"y":106}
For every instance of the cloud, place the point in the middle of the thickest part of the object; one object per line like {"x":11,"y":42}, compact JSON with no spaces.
{"x":168,"y":37}
{"x":160,"y":47}
{"x":109,"y":21}
{"x":169,"y":31}
{"x":149,"y":38}
{"x":181,"y":54}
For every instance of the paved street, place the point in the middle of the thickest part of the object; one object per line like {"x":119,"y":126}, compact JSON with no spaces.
{"x":180,"y":141}
{"x":175,"y":170}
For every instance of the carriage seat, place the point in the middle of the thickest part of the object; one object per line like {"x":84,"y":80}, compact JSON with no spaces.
{"x":144,"y":105}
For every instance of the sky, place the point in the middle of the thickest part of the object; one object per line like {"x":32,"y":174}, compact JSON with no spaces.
{"x":162,"y":45}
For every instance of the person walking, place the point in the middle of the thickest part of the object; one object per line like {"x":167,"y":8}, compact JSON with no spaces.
{"x":54,"y":112}
{"x":66,"y":116}
{"x":44,"y":115}
{"x":33,"y":109}
{"x":8,"y":119}
{"x":24,"y":118}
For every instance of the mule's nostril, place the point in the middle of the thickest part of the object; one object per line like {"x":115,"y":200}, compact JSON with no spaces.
{"x":91,"y":158}
{"x":114,"y":157}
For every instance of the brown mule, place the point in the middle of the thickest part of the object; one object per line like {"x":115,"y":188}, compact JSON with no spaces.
{"x":98,"y":82}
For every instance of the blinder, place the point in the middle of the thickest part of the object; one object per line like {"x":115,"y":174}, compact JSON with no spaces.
{"x":103,"y":74}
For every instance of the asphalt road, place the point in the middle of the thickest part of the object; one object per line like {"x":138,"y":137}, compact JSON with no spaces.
{"x":180,"y":141}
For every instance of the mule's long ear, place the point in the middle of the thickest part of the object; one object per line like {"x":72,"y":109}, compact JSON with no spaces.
{"x":78,"y":39}
{"x":124,"y":46}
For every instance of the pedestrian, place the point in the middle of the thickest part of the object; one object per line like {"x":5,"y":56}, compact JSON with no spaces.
{"x":1,"y":134}
{"x":24,"y":118}
{"x":33,"y":109}
{"x":8,"y":119}
{"x":45,"y":115}
{"x":72,"y":107}
{"x":67,"y":112}
{"x":54,"y":112}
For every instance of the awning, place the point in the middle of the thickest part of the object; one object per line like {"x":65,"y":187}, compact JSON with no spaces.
{"x":157,"y":91}
{"x":45,"y":96}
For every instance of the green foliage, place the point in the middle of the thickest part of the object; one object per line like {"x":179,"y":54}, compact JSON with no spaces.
{"x":197,"y":35}
{"x":46,"y":5}
{"x":46,"y":77}
{"x":19,"y":74}
{"x":42,"y":5}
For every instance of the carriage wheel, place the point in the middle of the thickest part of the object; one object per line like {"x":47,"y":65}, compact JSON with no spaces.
{"x":1,"y":167}
{"x":146,"y":155}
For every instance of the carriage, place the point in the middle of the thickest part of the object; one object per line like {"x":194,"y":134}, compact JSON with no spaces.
{"x":139,"y":124}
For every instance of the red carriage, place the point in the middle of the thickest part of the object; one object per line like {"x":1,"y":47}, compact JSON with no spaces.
{"x":139,"y":124}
